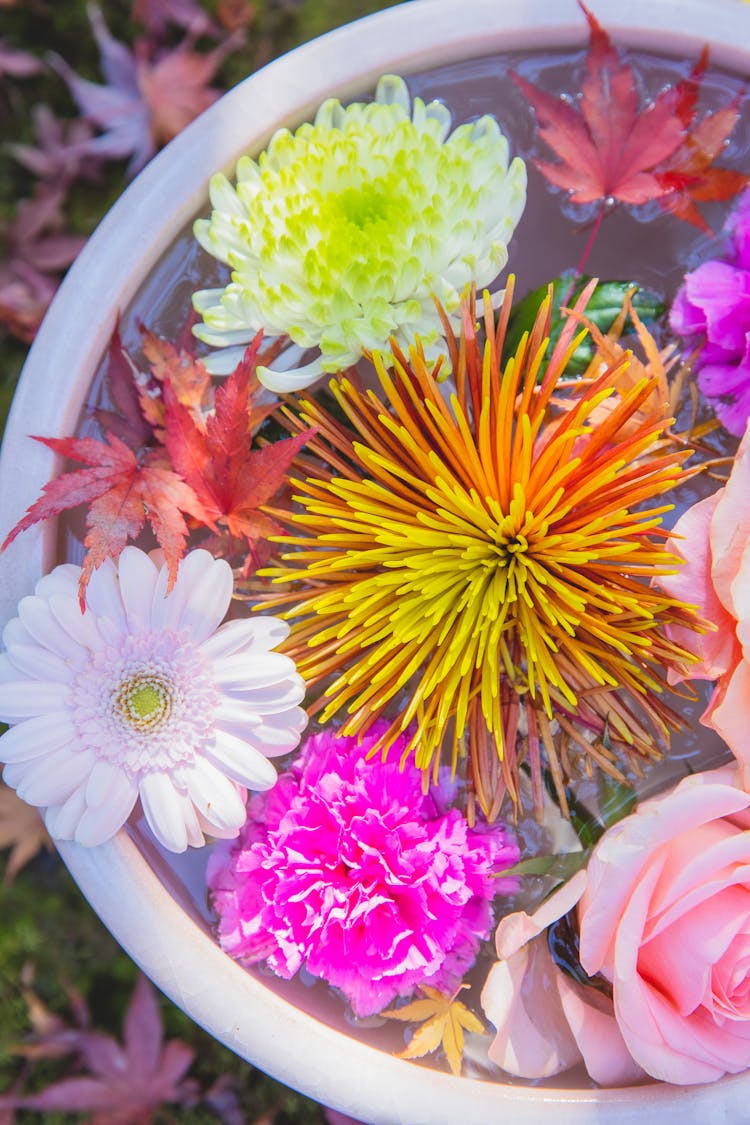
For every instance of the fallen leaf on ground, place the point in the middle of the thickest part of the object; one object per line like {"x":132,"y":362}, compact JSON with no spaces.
{"x":22,"y":830}
{"x":121,"y":1083}
{"x":149,"y":95}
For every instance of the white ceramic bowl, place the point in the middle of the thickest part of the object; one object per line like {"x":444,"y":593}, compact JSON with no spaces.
{"x":147,"y":901}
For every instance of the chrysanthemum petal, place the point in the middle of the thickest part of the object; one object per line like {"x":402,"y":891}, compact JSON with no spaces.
{"x":291,"y":380}
{"x":341,"y":233}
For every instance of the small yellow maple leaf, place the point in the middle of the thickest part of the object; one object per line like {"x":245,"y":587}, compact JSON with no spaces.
{"x":443,"y":1020}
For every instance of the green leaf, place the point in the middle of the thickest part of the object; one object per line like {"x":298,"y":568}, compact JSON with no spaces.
{"x":603,"y":309}
{"x":616,"y":801}
{"x":561,"y":867}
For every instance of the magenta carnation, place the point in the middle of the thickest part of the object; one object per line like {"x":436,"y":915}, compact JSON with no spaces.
{"x":714,"y":303}
{"x":347,"y":867}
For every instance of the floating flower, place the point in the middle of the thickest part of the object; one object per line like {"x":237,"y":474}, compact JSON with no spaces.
{"x":713,"y":537}
{"x":546,"y":1021}
{"x":714,"y":304}
{"x":340,"y":234}
{"x":665,"y":919}
{"x":485,"y":554}
{"x":350,"y":869}
{"x":142,"y":696}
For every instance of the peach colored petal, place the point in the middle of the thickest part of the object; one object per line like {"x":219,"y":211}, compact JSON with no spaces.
{"x":515,"y":930}
{"x":622,"y":855}
{"x":729,"y":711}
{"x":591,"y":1018}
{"x":740,"y":595}
{"x":730,"y":527}
{"x":521,"y":999}
{"x":693,"y":584}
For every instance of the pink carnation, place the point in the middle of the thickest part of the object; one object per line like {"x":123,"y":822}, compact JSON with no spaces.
{"x":349,"y":868}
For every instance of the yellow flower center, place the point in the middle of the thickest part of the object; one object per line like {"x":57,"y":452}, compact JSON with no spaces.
{"x":143,"y":702}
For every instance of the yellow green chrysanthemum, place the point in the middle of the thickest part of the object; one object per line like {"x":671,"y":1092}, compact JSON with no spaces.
{"x":486,"y":554}
{"x":340,"y":233}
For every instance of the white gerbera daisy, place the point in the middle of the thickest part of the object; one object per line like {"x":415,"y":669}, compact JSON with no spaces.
{"x":145,"y":695}
{"x":341,"y":234}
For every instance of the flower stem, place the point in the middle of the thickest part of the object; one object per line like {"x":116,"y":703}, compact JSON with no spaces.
{"x":585,"y":255}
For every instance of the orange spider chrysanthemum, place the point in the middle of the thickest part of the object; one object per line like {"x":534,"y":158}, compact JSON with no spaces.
{"x":487,"y":555}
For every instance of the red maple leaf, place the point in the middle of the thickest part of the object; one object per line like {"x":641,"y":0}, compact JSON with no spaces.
{"x":122,"y":493}
{"x":610,"y":147}
{"x":230,"y":478}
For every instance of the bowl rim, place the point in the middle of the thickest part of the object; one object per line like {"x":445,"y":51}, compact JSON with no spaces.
{"x":147,"y":921}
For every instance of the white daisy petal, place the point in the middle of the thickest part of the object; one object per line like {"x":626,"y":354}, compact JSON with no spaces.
{"x":103,"y":595}
{"x":62,"y":820}
{"x":16,"y":633}
{"x":36,"y":617}
{"x":142,"y":694}
{"x":277,"y":737}
{"x":107,"y":783}
{"x":164,"y":812}
{"x":214,"y":796}
{"x":50,"y":780}
{"x":246,"y":671}
{"x":138,"y":577}
{"x":39,"y":664}
{"x":280,"y":736}
{"x":63,"y":579}
{"x":42,"y":734}
{"x":198,"y":569}
{"x":276,"y":697}
{"x":22,"y":700}
{"x":80,"y":626}
{"x":100,"y":822}
{"x":210,"y":600}
{"x":241,"y":762}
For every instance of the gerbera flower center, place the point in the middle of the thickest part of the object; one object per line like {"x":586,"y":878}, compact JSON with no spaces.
{"x":149,"y":704}
{"x":143,"y":702}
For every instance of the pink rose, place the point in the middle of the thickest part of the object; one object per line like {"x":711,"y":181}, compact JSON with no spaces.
{"x":715,"y":544}
{"x":665,"y":917}
{"x":546,"y":1021}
